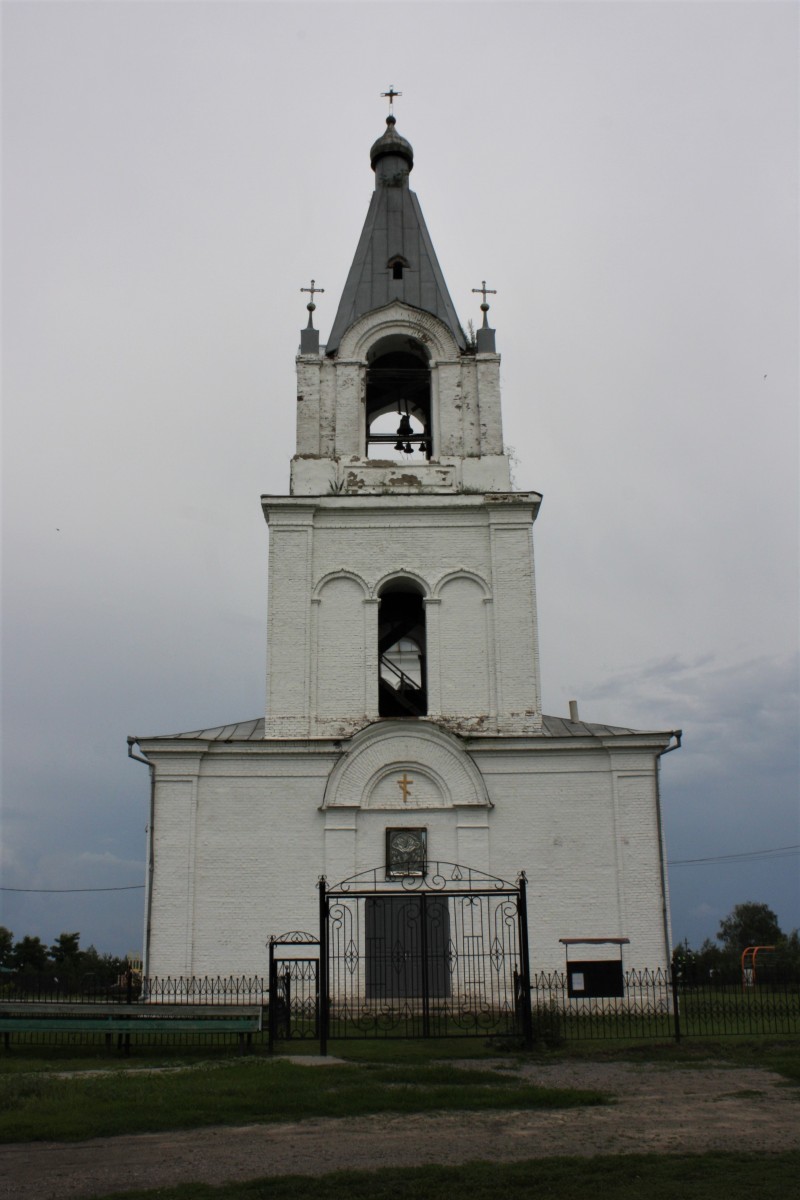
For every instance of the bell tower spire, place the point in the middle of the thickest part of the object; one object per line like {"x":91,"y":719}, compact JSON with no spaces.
{"x":395,"y":259}
{"x":397,"y":382}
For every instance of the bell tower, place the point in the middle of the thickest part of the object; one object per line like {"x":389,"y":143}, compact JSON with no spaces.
{"x":401,"y":565}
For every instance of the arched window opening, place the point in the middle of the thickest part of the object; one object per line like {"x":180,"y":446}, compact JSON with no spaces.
{"x":397,"y":264}
{"x":401,"y":653}
{"x":399,"y":405}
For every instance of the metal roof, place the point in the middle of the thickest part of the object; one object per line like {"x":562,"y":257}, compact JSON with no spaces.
{"x":253,"y":731}
{"x":394,"y":229}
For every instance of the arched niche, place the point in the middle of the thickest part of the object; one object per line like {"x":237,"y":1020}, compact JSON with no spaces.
{"x":370,"y":773}
{"x":340,"y":622}
{"x":464,"y":645}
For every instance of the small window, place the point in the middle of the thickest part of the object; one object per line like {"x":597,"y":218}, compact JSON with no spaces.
{"x":397,"y":264}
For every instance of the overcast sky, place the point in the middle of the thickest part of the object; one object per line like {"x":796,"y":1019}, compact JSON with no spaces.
{"x":624,"y":174}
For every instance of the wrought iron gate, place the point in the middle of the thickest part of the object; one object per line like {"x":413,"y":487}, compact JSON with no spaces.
{"x":439,"y":954}
{"x":293,"y":987}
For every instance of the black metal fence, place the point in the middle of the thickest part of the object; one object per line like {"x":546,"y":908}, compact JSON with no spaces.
{"x":655,"y":1005}
{"x":157,"y":1011}
{"x":660,"y":1005}
{"x":131,"y":988}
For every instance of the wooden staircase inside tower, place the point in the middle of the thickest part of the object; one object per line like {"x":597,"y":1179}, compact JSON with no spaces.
{"x":399,"y":696}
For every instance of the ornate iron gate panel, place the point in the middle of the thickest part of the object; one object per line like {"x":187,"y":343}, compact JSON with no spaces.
{"x":444,"y":954}
{"x":293,"y":987}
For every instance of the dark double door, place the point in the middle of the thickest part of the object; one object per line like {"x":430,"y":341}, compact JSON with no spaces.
{"x":407,"y":947}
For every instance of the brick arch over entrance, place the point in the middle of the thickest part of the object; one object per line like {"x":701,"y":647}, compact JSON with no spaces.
{"x":448,"y":778}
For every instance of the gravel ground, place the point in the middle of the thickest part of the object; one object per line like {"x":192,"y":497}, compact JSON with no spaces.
{"x":663,"y":1110}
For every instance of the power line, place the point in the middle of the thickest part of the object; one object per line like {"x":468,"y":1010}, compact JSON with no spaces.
{"x":133,"y":887}
{"x":743,"y":856}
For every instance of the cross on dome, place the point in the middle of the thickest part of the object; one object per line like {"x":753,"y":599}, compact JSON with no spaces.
{"x":390,"y":95}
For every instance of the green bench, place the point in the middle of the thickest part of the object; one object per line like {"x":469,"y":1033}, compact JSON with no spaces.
{"x":122,"y":1020}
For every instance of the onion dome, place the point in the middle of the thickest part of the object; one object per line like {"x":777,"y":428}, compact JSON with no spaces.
{"x":391,"y":143}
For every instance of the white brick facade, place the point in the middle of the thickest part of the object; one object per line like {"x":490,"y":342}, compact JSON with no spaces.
{"x":243,"y":829}
{"x":246,"y":818}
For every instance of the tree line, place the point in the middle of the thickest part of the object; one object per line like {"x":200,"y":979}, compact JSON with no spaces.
{"x":63,"y":962}
{"x":748,"y":924}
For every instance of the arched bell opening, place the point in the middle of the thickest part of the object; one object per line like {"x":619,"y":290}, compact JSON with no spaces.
{"x":402,"y":690}
{"x":398,"y":402}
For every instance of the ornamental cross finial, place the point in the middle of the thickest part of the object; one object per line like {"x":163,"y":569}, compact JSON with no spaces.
{"x":390,"y":95}
{"x":404,"y":784}
{"x":484,"y":291}
{"x":311,"y":305}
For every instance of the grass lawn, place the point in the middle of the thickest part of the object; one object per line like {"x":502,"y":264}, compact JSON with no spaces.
{"x":30,"y":1056}
{"x":109,"y":1096}
{"x":41,"y":1106}
{"x":616,"y":1177}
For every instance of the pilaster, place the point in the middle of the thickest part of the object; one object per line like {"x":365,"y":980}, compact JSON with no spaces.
{"x":308,"y":412}
{"x":349,"y":389}
{"x":433,"y":664}
{"x":514,"y":626}
{"x":487,"y":370}
{"x":289,"y":621}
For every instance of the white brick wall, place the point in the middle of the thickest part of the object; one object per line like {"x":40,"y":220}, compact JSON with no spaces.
{"x":241,"y":832}
{"x":473,"y":560}
{"x":239,"y":845}
{"x":465,"y":414}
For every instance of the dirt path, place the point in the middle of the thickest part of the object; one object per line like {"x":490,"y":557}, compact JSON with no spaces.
{"x":661,"y":1110}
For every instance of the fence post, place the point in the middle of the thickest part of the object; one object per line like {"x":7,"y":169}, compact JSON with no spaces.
{"x":676,"y":1012}
{"x":522,"y":913}
{"x":272,"y":1011}
{"x":423,"y":924}
{"x":324,"y":998}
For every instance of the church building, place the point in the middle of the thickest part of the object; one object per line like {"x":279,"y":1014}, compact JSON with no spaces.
{"x":403,"y":720}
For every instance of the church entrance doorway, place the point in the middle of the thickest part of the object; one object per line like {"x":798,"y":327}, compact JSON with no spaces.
{"x":406,"y":940}
{"x":441,"y":953}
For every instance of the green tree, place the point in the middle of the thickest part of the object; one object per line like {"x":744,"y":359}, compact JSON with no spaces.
{"x":6,"y":947}
{"x":749,"y":924}
{"x":709,"y":962}
{"x":65,"y":950}
{"x":30,"y":954}
{"x":101,"y":969}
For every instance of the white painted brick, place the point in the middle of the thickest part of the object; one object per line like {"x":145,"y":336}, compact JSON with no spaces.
{"x":242,"y":831}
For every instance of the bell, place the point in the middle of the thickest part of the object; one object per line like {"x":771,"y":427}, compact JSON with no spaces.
{"x":404,"y":429}
{"x":408,"y":448}
{"x":398,"y":444}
